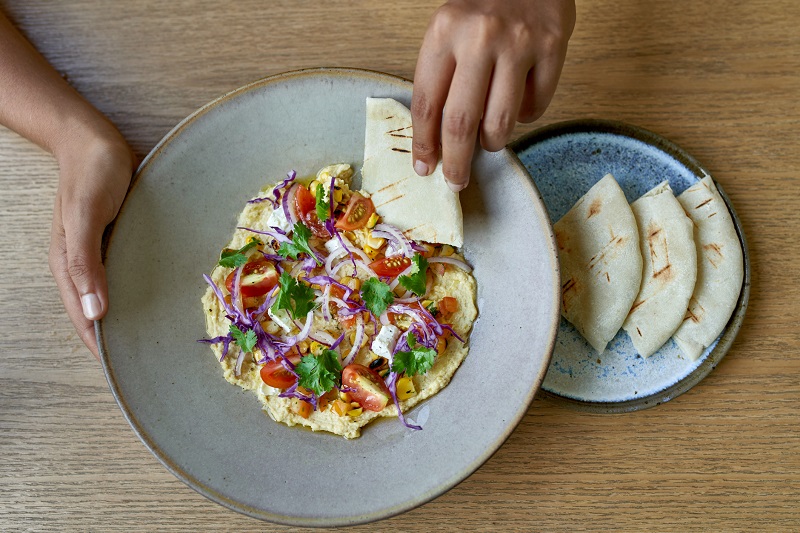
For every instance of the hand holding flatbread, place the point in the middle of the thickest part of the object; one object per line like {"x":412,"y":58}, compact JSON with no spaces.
{"x":422,"y":207}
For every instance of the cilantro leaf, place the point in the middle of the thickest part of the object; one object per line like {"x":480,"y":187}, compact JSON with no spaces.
{"x":236,"y":258}
{"x":416,"y":281}
{"x":323,"y":207}
{"x":299,"y":244}
{"x":417,"y":361}
{"x":294,"y":296}
{"x":319,"y":373}
{"x":377,"y":296}
{"x":246,"y":341}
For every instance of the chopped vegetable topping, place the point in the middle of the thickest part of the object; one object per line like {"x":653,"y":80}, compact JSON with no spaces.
{"x":295,"y":297}
{"x":299,"y":244}
{"x":323,"y":207}
{"x":236,"y":258}
{"x":377,"y":296}
{"x":246,"y":341}
{"x":416,"y":281}
{"x":416,"y":361}
{"x":319,"y":373}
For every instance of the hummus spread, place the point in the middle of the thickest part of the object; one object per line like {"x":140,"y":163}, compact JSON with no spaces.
{"x":449,"y":296}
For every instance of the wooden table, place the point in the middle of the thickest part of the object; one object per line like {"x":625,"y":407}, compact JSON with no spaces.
{"x":719,"y":78}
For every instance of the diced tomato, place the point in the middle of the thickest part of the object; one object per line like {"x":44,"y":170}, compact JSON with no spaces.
{"x":337,"y":291}
{"x":357,"y":214}
{"x":301,"y":407}
{"x":276,"y":375}
{"x":448,"y":305}
{"x":368,"y":388}
{"x":390,"y":266}
{"x":306,"y":206}
{"x":258,"y":277}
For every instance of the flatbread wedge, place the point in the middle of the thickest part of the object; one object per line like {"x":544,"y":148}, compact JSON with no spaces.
{"x":720,"y":268}
{"x":601,"y":266}
{"x":669,"y":273}
{"x":423,"y":208}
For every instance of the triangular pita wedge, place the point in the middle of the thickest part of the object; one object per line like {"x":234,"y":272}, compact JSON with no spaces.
{"x":720,"y":268}
{"x":601,"y":267}
{"x":423,"y":208}
{"x":669,"y":272}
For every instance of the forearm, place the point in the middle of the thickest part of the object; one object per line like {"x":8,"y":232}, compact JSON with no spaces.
{"x":37,"y":103}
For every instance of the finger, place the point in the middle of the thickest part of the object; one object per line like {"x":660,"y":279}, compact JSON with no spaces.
{"x":506,"y":90}
{"x":83,"y":231}
{"x":67,"y":290}
{"x":540,"y":86}
{"x":462,"y":115}
{"x":432,"y":79}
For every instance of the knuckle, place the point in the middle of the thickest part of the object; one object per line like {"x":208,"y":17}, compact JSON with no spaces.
{"x":498,"y":127}
{"x":443,"y":21}
{"x":78,"y":267}
{"x":422,"y":148}
{"x":454,"y":173}
{"x":422,"y":109}
{"x":461,"y":126}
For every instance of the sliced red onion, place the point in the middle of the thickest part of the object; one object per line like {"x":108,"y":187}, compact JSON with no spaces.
{"x":356,"y":342}
{"x":239,"y":360}
{"x":452,"y":261}
{"x":397,"y":236}
{"x":322,"y":338}
{"x":326,"y":300}
{"x":288,"y":204}
{"x":307,"y":328}
{"x":339,"y":252}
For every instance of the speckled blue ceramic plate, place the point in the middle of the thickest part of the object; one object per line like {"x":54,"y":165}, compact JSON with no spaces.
{"x":565,"y":160}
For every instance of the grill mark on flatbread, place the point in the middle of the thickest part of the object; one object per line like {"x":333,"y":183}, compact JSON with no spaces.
{"x":390,"y":186}
{"x":390,"y":200}
{"x":594,"y":208}
{"x":608,"y":277}
{"x":714,"y":252}
{"x":389,"y":117}
{"x":638,"y":331}
{"x":398,"y":129}
{"x":401,"y":136}
{"x":701,"y":204}
{"x":637,"y":304}
{"x":568,"y":291}
{"x":401,"y":150}
{"x":659,"y":254}
{"x":696,"y":314}
{"x":613,"y":245}
{"x":712,"y":214}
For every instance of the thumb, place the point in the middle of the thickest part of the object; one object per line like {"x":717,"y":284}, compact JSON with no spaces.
{"x":83,"y":235}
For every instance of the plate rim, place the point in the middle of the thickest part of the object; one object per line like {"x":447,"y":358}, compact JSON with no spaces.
{"x":731,"y":330}
{"x":468,"y":469}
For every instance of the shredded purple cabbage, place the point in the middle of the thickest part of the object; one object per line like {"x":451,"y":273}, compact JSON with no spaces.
{"x":276,"y":192}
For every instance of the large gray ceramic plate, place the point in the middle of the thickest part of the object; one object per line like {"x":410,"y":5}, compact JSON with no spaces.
{"x":212,"y":435}
{"x":565,"y":160}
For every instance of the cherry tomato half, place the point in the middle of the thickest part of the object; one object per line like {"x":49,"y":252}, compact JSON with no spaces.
{"x":257,"y":279}
{"x":390,"y":266}
{"x":276,"y":375}
{"x":357,"y":214}
{"x":368,"y":388}
{"x":306,"y":206}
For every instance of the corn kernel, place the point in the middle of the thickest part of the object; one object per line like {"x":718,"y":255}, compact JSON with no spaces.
{"x":302,"y":346}
{"x":355,"y":412}
{"x":405,"y":388}
{"x":271,"y":327}
{"x":447,"y":250}
{"x":427,"y":303}
{"x":316,"y":348}
{"x":373,"y":220}
{"x":354,"y":283}
{"x":345,"y":397}
{"x":370,"y":251}
{"x":374,"y":242}
{"x":369,"y":328}
{"x":339,"y":407}
{"x":337,"y":195}
{"x":441,"y":345}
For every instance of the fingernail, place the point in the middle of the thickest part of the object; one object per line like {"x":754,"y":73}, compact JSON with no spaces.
{"x":420,"y":168}
{"x":455,"y":187}
{"x":91,"y":306}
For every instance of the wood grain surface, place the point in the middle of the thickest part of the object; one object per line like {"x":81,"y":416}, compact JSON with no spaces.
{"x":719,"y":78}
